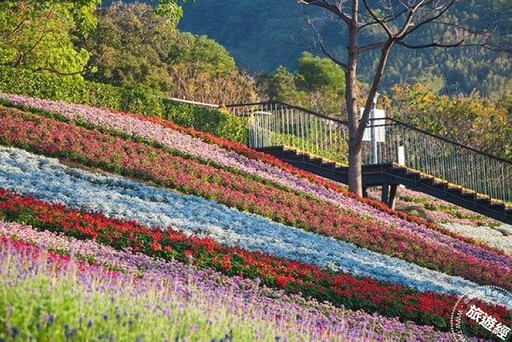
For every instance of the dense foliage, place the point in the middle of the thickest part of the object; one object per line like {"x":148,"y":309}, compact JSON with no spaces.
{"x":262,"y":36}
{"x":483,"y":123}
{"x":41,"y":35}
{"x":135,"y":47}
{"x":318,"y":84}
{"x":206,"y":234}
{"x":76,"y":90}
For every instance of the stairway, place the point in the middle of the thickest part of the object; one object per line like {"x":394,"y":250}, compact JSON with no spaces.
{"x":393,"y":174}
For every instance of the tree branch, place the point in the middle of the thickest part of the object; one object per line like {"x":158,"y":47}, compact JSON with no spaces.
{"x":436,"y":45}
{"x":379,"y":21}
{"x":373,"y":89}
{"x":13,"y":31}
{"x":324,"y":49}
{"x":498,"y":48}
{"x":332,"y":8}
{"x":464,"y":28}
{"x":369,"y":47}
{"x":23,"y":54}
{"x":408,"y":21}
{"x":386,"y":20}
{"x":431,"y":19}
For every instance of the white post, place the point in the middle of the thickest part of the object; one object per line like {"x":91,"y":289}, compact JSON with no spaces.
{"x":374,"y":130}
{"x":401,"y":155}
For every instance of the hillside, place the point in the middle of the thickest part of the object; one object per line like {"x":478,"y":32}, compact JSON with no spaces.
{"x":261,"y":36}
{"x":130,"y":214}
{"x":107,"y":179}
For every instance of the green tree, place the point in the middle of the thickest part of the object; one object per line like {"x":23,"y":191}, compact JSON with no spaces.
{"x":40,"y":34}
{"x":281,"y":86}
{"x":318,"y":84}
{"x":137,"y":47}
{"x":320,"y":74}
{"x":324,"y":82}
{"x":130,"y":46}
{"x":203,"y":70}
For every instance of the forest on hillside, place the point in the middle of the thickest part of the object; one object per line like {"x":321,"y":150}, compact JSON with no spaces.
{"x":262,"y":35}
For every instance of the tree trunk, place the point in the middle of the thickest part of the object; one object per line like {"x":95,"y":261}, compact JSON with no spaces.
{"x":356,"y":126}
{"x":355,"y":174}
{"x":355,"y":181}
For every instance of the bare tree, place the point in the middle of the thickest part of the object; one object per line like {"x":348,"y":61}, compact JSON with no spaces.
{"x":407,"y":23}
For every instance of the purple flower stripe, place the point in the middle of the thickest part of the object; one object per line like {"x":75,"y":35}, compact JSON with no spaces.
{"x":318,"y":319}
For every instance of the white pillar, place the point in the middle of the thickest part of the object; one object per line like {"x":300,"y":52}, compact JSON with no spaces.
{"x":375,"y":159}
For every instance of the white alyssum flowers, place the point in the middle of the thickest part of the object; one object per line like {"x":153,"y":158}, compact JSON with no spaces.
{"x":498,"y":237}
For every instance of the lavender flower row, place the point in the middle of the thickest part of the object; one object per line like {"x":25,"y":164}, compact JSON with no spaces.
{"x":194,"y":146}
{"x":291,"y":312}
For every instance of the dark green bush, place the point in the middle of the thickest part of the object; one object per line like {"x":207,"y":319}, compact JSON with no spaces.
{"x":74,"y":89}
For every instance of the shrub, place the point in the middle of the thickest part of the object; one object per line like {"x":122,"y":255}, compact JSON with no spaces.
{"x":74,"y":89}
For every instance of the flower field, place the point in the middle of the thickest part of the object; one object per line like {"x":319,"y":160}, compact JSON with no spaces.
{"x":231,"y":237}
{"x":296,"y":277}
{"x":111,"y":153}
{"x":119,"y":198}
{"x":199,"y":294}
{"x":228,"y":154}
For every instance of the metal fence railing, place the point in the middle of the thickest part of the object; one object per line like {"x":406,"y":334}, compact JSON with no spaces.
{"x":279,"y":124}
{"x":443,"y":159}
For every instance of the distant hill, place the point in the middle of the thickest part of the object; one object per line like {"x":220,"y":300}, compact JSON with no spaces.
{"x":262,"y":35}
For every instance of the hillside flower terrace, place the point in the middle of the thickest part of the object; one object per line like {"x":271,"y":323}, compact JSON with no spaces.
{"x":109,"y":195}
{"x":155,"y":188}
{"x":237,"y":190}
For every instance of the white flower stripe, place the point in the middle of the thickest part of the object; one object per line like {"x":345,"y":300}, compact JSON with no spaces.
{"x":47,"y":179}
{"x":498,"y":237}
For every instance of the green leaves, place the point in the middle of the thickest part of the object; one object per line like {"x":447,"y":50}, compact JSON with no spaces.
{"x":170,"y":10}
{"x":321,"y":74}
{"x":319,"y":84}
{"x":41,"y":35}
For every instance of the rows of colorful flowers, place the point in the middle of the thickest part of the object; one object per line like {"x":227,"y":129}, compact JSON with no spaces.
{"x":92,"y":147}
{"x":208,"y":237}
{"x":189,"y":288}
{"x":229,"y":154}
{"x":294,"y":277}
{"x":493,"y":235}
{"x":116,"y":197}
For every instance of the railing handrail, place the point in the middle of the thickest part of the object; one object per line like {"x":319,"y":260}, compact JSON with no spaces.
{"x":445,"y":139}
{"x":192,"y":102}
{"x":388,"y":118}
{"x":322,"y":116}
